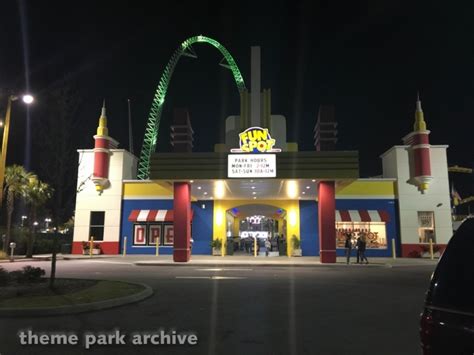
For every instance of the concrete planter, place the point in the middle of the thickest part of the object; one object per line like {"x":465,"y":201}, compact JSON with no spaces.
{"x":427,"y":255}
{"x":94,"y":251}
{"x":297,"y":252}
{"x":216,"y":252}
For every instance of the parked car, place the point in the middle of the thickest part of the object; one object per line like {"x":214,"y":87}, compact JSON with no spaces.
{"x":447,"y":321}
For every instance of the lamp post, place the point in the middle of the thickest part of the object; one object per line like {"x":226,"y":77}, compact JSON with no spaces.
{"x":47,"y":222}
{"x":27,"y":99}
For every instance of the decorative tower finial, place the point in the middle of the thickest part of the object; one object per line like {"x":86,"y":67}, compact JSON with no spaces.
{"x":420,"y":124}
{"x":102,"y":130}
{"x":103,"y":144}
{"x":419,"y":149}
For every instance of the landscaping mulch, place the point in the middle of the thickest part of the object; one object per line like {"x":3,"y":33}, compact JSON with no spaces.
{"x":61,"y":287}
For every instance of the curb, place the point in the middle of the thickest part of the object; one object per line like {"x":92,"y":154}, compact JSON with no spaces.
{"x":81,"y":308}
{"x":217,"y":264}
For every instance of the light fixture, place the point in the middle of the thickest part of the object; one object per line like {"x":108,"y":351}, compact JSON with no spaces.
{"x":313,"y":180}
{"x":1,"y":123}
{"x":199,"y":187}
{"x":304,"y":192}
{"x":254,"y":197}
{"x":308,"y":187}
{"x":219,"y":189}
{"x":254,"y":193}
{"x":253,"y":187}
{"x":292,"y":189}
{"x":191,"y":181}
{"x":219,"y":216}
{"x":203,"y":206}
{"x":205,"y":193}
{"x":35,"y":223}
{"x":292,"y":218}
{"x":28,"y":99}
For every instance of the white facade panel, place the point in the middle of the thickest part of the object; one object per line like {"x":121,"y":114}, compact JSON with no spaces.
{"x":411,"y":201}
{"x":122,"y":166}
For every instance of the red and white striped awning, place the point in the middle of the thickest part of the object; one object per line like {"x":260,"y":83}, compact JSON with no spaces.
{"x":152,"y":216}
{"x":362,"y":216}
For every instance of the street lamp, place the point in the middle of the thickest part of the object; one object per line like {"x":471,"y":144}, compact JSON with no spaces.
{"x":47,"y":222}
{"x":27,"y":99}
{"x":23,"y":220}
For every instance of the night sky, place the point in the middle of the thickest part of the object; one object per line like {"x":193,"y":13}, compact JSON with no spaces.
{"x":367,"y":58}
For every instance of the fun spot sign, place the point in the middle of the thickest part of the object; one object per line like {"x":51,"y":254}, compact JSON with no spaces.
{"x":256,"y":140}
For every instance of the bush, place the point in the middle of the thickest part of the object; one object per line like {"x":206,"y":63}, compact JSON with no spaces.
{"x":426,"y":248}
{"x":414,"y":254}
{"x":4,"y":277}
{"x":87,"y":245}
{"x":28,"y":274}
{"x":216,"y":244}
{"x":296,"y":242}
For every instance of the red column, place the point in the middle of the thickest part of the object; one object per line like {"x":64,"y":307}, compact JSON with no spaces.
{"x":327,"y":221}
{"x":182,"y":221}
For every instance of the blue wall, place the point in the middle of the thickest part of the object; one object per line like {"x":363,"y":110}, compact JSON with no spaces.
{"x":201,"y":227}
{"x":309,"y":228}
{"x":309,"y":224}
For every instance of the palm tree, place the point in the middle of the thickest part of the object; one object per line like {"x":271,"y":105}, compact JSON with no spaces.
{"x":16,"y":177}
{"x":36,"y":193}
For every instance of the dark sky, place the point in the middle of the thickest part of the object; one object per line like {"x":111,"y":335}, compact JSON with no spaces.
{"x":367,"y":58}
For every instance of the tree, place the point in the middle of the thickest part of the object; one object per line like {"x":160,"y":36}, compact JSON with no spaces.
{"x":16,"y":177}
{"x":36,"y":193}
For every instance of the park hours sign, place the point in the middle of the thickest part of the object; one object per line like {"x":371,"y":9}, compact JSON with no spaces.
{"x":251,"y":165}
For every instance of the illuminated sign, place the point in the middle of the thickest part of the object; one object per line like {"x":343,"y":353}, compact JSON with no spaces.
{"x":251,"y":165}
{"x":256,"y":140}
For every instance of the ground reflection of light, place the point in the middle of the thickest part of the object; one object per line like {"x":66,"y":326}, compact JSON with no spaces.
{"x":292,"y":314}
{"x":213,"y":318}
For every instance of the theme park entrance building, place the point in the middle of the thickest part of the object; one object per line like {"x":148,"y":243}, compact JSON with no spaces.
{"x":256,"y":193}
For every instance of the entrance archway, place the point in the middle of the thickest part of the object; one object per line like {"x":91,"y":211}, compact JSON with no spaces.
{"x":291,"y":218}
{"x":256,"y":229}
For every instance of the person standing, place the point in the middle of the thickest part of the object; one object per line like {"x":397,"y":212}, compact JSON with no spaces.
{"x":268,"y":246}
{"x":348,"y":246}
{"x":362,"y":244}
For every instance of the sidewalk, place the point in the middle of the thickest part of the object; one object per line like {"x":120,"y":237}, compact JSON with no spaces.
{"x":207,"y":260}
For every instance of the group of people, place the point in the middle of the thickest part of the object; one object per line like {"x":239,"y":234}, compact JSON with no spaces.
{"x":360,"y":245}
{"x":272,"y":243}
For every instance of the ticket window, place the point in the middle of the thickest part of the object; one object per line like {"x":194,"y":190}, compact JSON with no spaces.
{"x":426,"y":227}
{"x":376,"y":233}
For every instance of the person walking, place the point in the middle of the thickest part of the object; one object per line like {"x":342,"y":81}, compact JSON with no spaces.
{"x":358,"y":248}
{"x":362,"y":244}
{"x":268,"y":246}
{"x":348,"y":246}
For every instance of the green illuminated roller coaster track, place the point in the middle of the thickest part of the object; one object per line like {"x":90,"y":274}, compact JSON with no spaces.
{"x":153,"y":123}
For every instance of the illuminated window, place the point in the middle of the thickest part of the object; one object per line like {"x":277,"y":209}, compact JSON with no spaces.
{"x":96,"y":225}
{"x":426,"y":227}
{"x":375,"y":231}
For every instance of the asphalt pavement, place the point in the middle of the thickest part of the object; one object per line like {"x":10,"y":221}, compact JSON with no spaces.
{"x":246,"y":309}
